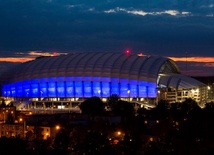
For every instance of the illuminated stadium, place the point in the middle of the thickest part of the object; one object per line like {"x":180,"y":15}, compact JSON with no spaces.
{"x":82,"y":75}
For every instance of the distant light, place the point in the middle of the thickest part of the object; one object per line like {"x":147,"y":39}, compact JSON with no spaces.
{"x":57,"y":127}
{"x":128,"y":52}
{"x":140,"y":54}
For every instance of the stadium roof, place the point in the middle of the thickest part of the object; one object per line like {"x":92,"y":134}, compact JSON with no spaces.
{"x":178,"y":81}
{"x":111,"y":65}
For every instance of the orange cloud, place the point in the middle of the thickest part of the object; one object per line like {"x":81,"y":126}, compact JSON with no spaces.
{"x":42,"y":53}
{"x":193,"y":59}
{"x":31,"y":55}
{"x":15,"y":59}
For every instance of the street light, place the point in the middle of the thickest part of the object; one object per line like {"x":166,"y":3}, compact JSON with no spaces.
{"x":128,"y":94}
{"x":20,"y":119}
{"x":118,"y":133}
{"x":158,"y":95}
{"x":57,"y":127}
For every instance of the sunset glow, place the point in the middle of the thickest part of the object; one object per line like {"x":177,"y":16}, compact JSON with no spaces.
{"x":15,"y":59}
{"x":193,"y":59}
{"x":31,"y":55}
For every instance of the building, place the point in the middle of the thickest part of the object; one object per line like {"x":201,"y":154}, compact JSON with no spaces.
{"x":44,"y":132}
{"x":67,"y":79}
{"x":6,"y":113}
{"x":12,"y":130}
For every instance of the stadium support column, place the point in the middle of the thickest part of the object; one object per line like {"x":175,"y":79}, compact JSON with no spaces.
{"x":101,"y":88}
{"x":119,"y":87}
{"x":74,"y":91}
{"x":34,"y":107}
{"x":129,"y":91}
{"x":83,"y":90}
{"x":40,"y":92}
{"x":147,"y":94}
{"x":47,"y":90}
{"x":91,"y":85}
{"x":56,"y":91}
{"x":138,"y":96}
{"x":65,"y":89}
{"x":110,"y":88}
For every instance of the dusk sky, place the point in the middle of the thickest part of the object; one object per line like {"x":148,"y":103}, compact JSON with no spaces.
{"x":182,"y":30}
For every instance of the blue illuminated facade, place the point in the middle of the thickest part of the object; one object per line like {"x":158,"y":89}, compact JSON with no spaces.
{"x":63,"y":87}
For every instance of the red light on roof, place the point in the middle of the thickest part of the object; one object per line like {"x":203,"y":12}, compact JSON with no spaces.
{"x":127,"y":51}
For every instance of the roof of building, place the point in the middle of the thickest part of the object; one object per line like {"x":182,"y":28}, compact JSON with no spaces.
{"x":115,"y":65}
{"x":105,"y":64}
{"x":178,"y":81}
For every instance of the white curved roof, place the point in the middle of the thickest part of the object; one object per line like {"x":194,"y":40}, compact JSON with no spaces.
{"x":110,"y":65}
{"x":178,"y":81}
{"x":113,"y":65}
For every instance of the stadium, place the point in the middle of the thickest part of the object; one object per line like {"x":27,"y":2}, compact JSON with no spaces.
{"x":70,"y":78}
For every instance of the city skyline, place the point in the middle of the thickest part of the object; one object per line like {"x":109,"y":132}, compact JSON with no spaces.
{"x":180,"y":30}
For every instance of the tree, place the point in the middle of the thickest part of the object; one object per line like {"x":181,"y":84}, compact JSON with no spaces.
{"x":188,"y":105}
{"x":38,"y":133}
{"x":30,"y":135}
{"x":209,"y":105}
{"x":93,"y":143}
{"x":175,"y":111}
{"x":122,"y":108}
{"x":93,"y":105}
{"x":142,"y":111}
{"x":62,"y":140}
{"x":161,"y":111}
{"x":162,"y":105}
{"x":112,"y":99}
{"x":9,"y":145}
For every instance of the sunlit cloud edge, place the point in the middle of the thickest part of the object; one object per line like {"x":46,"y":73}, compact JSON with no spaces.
{"x":21,"y":57}
{"x":144,"y":13}
{"x":193,"y":59}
